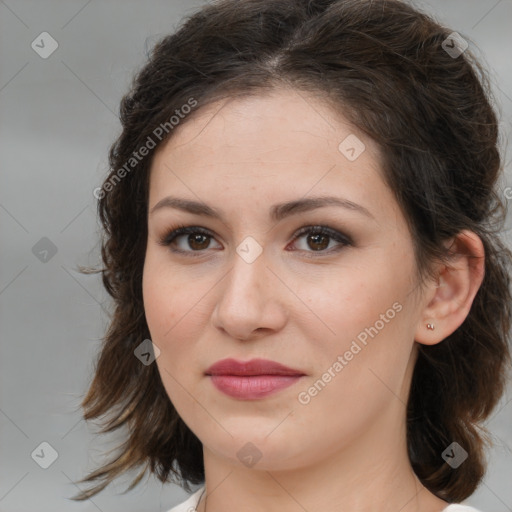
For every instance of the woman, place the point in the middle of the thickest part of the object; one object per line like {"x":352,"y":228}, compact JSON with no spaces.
{"x":312,"y":302}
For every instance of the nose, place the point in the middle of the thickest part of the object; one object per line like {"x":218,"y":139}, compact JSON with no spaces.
{"x":249,"y":301}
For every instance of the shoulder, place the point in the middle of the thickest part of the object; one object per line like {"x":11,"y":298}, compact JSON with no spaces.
{"x":457,"y":507}
{"x":190,"y":504}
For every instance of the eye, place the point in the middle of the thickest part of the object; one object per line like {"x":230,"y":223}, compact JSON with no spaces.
{"x":198,"y":239}
{"x":318,"y":238}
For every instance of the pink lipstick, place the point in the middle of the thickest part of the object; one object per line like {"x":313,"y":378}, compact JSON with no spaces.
{"x":251,"y":380}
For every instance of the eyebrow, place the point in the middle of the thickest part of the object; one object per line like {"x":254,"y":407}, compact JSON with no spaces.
{"x":277,"y":212}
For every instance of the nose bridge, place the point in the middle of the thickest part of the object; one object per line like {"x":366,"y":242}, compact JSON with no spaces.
{"x":248,"y":300}
{"x":249,"y":273}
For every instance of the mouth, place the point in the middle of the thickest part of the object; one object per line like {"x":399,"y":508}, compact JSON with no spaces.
{"x":251,"y":380}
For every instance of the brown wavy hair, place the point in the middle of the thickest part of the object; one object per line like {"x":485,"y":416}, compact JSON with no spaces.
{"x":382,"y":65}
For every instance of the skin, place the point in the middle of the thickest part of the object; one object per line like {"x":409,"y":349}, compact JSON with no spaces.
{"x":346,"y":448}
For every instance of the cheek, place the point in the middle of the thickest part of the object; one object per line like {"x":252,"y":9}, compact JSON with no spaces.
{"x":171,"y":329}
{"x":165,"y":303}
{"x":166,"y":292}
{"x":342,"y":303}
{"x":158,"y":302}
{"x":175,"y":305}
{"x":362,"y":315}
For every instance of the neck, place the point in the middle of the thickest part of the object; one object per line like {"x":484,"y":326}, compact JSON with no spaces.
{"x":372,"y":474}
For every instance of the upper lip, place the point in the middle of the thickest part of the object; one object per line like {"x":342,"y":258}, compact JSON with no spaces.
{"x":252,"y":367}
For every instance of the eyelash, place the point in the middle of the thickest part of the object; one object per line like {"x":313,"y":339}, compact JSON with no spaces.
{"x":172,"y":234}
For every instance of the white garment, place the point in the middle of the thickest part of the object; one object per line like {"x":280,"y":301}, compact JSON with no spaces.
{"x":191,"y":503}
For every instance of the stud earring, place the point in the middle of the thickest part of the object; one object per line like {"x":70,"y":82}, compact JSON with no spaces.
{"x":430,"y":326}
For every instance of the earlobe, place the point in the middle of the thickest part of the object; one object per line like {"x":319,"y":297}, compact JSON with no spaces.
{"x":449,"y":301}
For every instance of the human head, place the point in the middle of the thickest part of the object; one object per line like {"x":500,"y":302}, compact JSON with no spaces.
{"x":380,"y":65}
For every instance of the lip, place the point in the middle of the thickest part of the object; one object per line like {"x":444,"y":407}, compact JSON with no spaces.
{"x":250,"y":368}
{"x":251,"y":380}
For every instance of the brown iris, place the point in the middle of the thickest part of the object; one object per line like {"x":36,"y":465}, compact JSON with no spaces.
{"x":316,"y":237}
{"x":196,"y":238}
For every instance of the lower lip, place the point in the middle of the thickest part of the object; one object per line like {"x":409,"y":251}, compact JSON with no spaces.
{"x":254,"y":386}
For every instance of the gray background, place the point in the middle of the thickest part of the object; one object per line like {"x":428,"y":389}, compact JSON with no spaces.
{"x":58,"y":118}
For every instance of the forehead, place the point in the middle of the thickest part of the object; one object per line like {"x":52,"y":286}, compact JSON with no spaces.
{"x":267,"y":123}
{"x":279,"y":146}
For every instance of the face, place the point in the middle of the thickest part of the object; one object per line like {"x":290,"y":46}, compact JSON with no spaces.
{"x":325,"y":289}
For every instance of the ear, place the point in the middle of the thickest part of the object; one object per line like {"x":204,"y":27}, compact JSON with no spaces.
{"x":448,"y":301}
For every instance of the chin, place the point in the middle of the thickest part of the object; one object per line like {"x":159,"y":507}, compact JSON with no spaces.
{"x":258,"y":445}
